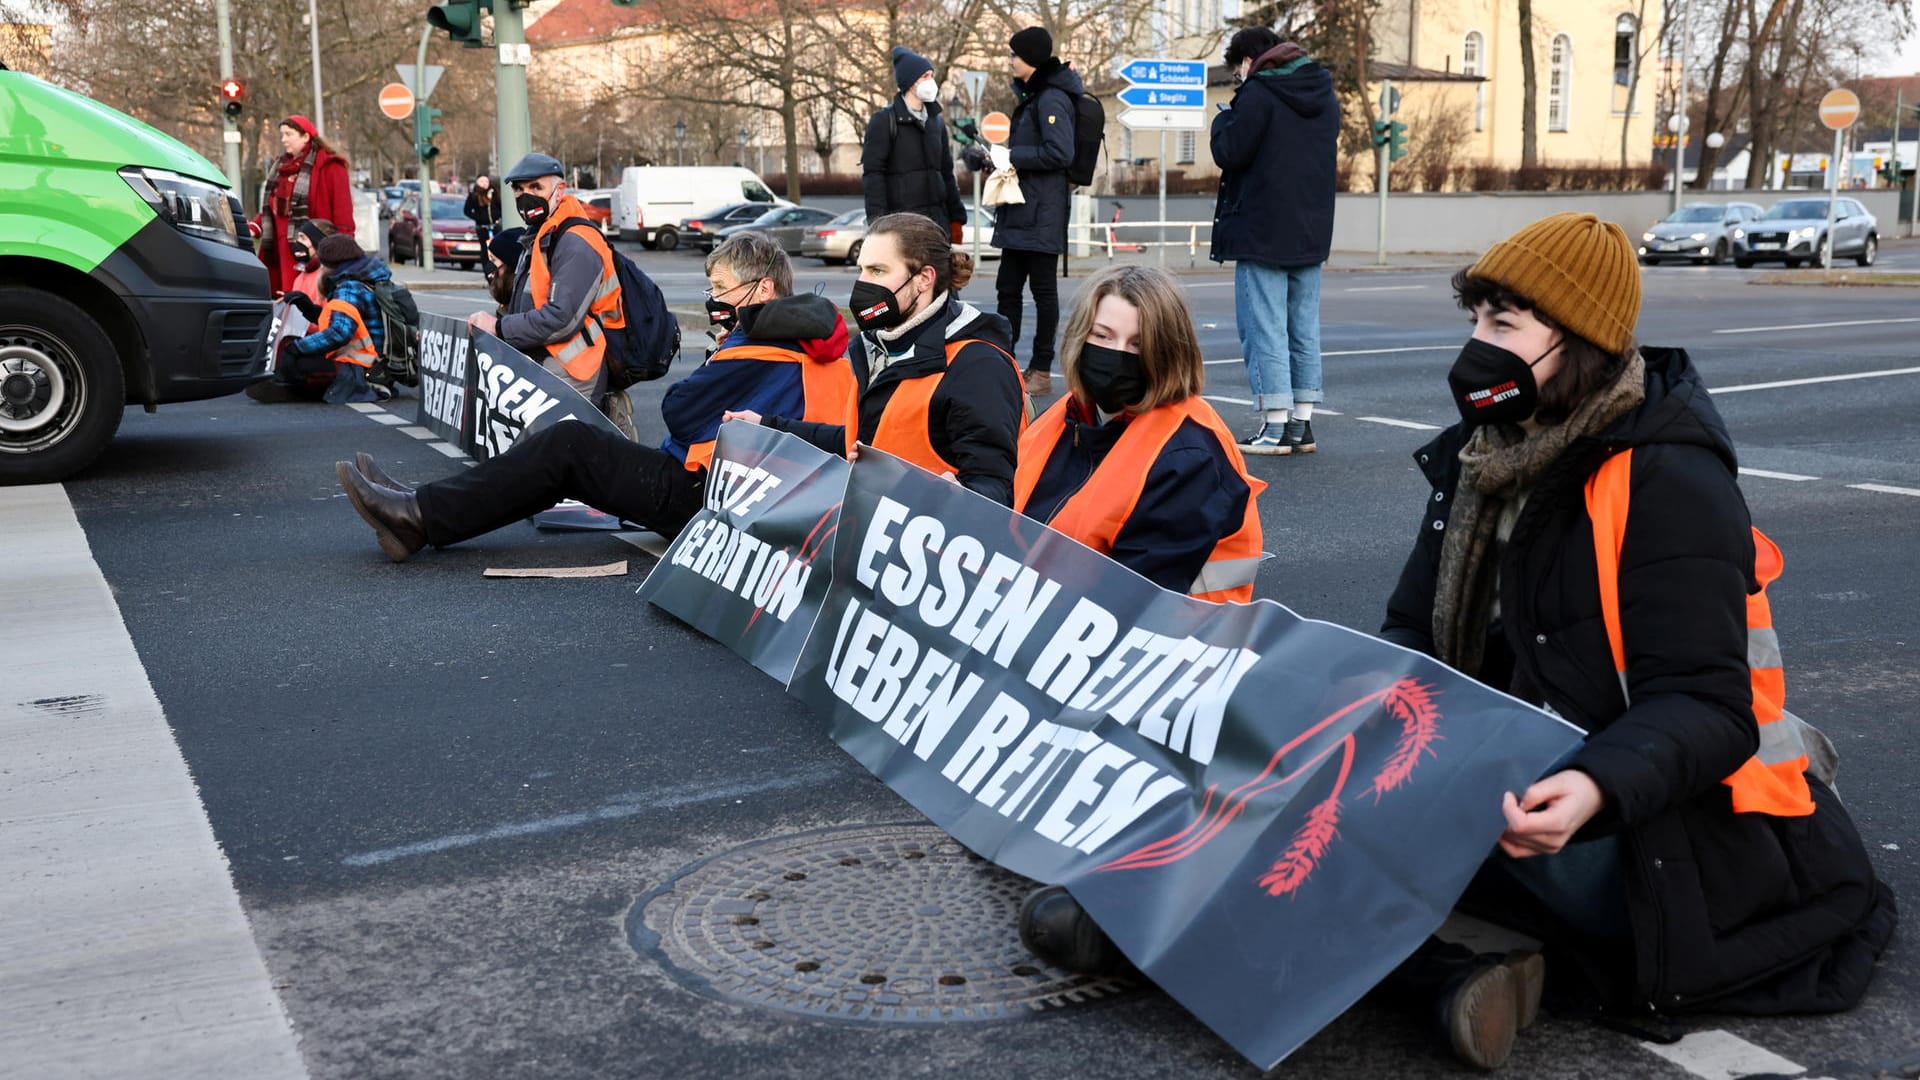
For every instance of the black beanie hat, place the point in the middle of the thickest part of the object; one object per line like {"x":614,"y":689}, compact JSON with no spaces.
{"x":505,"y":245}
{"x":313,"y":234}
{"x":1034,"y":45}
{"x":339,"y":248}
{"x":908,"y":66}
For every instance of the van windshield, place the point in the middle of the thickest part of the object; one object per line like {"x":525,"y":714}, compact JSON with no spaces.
{"x":752,"y":191}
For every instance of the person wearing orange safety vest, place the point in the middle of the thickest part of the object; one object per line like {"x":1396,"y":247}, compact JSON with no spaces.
{"x":783,"y":353}
{"x":333,"y":361}
{"x":568,"y":289}
{"x":952,"y":406}
{"x":1133,"y":462}
{"x":1585,"y":547}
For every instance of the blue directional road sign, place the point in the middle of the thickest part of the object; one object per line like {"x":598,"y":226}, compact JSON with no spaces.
{"x":1166,"y":73}
{"x":1161,"y":97}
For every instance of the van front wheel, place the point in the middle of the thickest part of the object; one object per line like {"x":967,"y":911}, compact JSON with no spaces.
{"x":61,"y":388}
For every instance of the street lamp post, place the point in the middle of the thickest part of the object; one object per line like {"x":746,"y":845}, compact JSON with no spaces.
{"x":1715,"y":140}
{"x":680,"y":142}
{"x":742,"y":137}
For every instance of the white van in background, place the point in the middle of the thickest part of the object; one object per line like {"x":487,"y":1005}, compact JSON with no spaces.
{"x":652,"y":196}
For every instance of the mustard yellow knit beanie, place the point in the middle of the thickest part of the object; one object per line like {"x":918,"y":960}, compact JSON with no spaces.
{"x":1579,"y":271}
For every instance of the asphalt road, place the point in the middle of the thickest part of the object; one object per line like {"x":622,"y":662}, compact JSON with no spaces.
{"x":441,"y":795}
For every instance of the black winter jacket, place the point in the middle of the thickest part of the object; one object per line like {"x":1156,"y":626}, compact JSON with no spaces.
{"x":908,"y":166}
{"x":1730,"y":912}
{"x":1041,"y":148}
{"x":973,"y":420}
{"x":1277,"y":148}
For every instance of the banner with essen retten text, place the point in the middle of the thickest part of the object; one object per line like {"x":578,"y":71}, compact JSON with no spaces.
{"x":483,"y":395}
{"x":1266,"y":813}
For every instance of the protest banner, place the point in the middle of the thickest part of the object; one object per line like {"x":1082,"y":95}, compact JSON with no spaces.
{"x":288,"y":324}
{"x":751,"y":569}
{"x":1266,"y":813}
{"x":483,"y":395}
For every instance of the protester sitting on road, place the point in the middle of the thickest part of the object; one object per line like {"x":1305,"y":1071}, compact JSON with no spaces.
{"x":334,"y":361}
{"x":1668,"y":867}
{"x":304,"y":246}
{"x":785,"y":354}
{"x":1132,"y":462}
{"x":567,"y":289}
{"x":503,"y":254}
{"x":906,"y":159}
{"x":953,"y":407}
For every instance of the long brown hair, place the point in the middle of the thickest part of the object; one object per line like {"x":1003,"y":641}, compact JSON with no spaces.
{"x":1169,"y":350}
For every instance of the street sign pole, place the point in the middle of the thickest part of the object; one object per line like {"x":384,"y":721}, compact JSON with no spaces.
{"x":1833,"y":196}
{"x":313,"y":43}
{"x":1163,"y":95}
{"x":1162,"y":246}
{"x":976,"y":84}
{"x":425,"y":239}
{"x":229,"y":132}
{"x":1385,"y":167}
{"x":510,"y":93}
{"x":1838,"y":110}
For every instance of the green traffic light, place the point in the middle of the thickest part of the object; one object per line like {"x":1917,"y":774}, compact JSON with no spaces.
{"x":1396,"y":141}
{"x":460,"y":19}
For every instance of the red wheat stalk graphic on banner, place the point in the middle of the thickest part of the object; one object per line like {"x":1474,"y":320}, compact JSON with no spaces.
{"x":1407,"y":700}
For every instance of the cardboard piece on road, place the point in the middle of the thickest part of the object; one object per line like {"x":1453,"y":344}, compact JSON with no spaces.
{"x":615,"y":569}
{"x":396,"y":101}
{"x":1839,"y":109}
{"x":405,"y":71}
{"x":995,"y":127}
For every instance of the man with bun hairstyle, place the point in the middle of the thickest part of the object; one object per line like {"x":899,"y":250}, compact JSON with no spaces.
{"x":907,"y":161}
{"x":567,"y":288}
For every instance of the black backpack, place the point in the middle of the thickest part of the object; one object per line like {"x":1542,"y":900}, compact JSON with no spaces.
{"x":1089,"y":130}
{"x":400,"y":352}
{"x":642,"y":350}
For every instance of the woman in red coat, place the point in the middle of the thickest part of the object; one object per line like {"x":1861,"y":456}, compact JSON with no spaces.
{"x":310,"y":181}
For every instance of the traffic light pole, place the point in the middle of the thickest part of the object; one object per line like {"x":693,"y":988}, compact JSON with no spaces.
{"x":425,"y":239}
{"x":1385,"y":151}
{"x":512,"y":129}
{"x":229,"y":131}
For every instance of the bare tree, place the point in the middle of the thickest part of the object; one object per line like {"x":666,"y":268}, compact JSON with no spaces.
{"x":1529,"y":92}
{"x":1642,"y":44}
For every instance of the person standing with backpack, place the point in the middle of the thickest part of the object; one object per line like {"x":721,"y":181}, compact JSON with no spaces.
{"x":907,"y":160}
{"x":1032,"y":235}
{"x":1277,"y":147}
{"x":567,"y":295}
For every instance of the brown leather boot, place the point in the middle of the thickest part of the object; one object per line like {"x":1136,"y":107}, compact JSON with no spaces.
{"x":372,"y":471}
{"x":394,"y":515}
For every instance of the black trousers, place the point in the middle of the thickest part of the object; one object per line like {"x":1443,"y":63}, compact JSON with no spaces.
{"x":1041,"y":269}
{"x":566,"y":461}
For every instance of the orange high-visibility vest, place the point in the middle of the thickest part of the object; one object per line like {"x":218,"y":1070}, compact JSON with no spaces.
{"x":904,"y":429}
{"x":1774,"y":780}
{"x":829,"y":390}
{"x":1096,"y":513}
{"x":581,"y":354}
{"x":359,"y":348}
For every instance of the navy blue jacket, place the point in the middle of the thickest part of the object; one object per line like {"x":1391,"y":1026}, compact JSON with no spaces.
{"x":692,"y":407}
{"x":1193,"y":498}
{"x":1041,"y":148}
{"x":1277,"y":148}
{"x":908,"y":165}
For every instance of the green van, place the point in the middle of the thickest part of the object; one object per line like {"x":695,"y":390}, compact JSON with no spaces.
{"x":125,"y":277}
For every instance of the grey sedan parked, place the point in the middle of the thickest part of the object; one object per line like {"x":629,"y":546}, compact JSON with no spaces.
{"x":1794,"y":232}
{"x":787,"y":225}
{"x":1701,"y":233}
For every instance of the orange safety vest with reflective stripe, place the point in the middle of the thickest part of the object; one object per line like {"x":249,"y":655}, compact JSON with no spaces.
{"x":359,"y":348}
{"x":904,"y":429}
{"x":581,"y":354}
{"x":1772,"y":781}
{"x":831,"y":393}
{"x":1097,"y":513}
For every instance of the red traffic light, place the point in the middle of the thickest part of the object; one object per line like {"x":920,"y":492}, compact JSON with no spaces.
{"x":234,"y":93}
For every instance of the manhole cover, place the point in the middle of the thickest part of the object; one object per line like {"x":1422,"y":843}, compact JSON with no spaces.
{"x":881,"y":923}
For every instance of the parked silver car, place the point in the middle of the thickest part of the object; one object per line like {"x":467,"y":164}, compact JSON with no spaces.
{"x":1701,"y":233}
{"x":836,"y":242}
{"x":1794,"y":231}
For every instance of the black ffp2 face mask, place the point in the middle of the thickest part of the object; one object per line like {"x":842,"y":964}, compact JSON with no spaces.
{"x":875,"y":307}
{"x":533,"y":208}
{"x":1112,"y":379}
{"x":1492,"y":385}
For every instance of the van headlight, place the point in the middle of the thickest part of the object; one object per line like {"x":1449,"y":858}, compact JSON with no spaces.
{"x":195,"y":207}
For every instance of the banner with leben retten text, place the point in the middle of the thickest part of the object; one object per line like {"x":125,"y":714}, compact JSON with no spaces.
{"x":483,"y":395}
{"x":1266,"y":813}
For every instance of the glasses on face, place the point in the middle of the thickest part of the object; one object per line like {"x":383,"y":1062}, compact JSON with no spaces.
{"x":716,"y":294}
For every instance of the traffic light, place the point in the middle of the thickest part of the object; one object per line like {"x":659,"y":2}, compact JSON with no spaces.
{"x":966,"y":130}
{"x":426,"y":124}
{"x":1396,"y":141}
{"x":233,"y":95}
{"x":460,"y":19}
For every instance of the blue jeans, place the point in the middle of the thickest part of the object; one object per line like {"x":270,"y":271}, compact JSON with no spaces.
{"x":1278,"y":313}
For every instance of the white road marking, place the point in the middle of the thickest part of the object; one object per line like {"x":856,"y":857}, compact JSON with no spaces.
{"x":1721,"y":1055}
{"x":625,"y":805}
{"x":1227,"y":400}
{"x":1885,"y":489}
{"x":386,"y":418}
{"x":1359,"y":352}
{"x":1816,"y":379}
{"x":1416,"y":426}
{"x":1768,"y":474}
{"x":418,"y":433}
{"x":127,"y":950}
{"x":448,"y":449}
{"x":364,"y":407}
{"x":1385,"y":288}
{"x":1815,"y":325}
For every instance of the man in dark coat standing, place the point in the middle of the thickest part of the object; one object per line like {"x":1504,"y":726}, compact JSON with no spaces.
{"x":907,"y":160}
{"x":1276,"y":148}
{"x":1032,"y":235}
